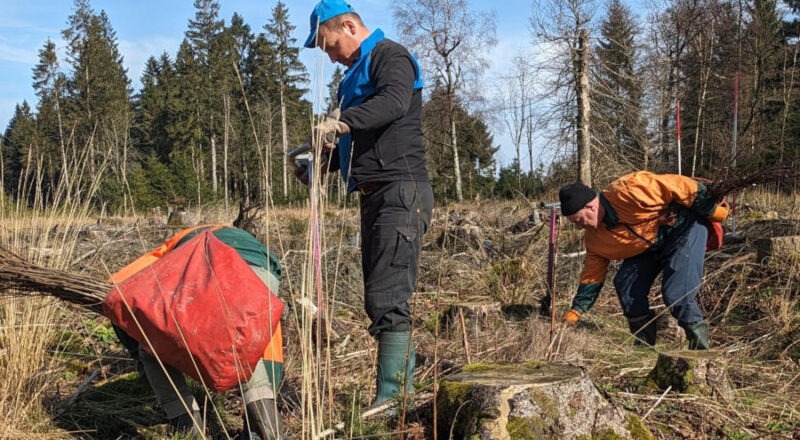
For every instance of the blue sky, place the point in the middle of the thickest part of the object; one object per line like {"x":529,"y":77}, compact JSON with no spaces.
{"x":147,"y":28}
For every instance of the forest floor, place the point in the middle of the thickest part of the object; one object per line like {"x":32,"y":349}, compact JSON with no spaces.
{"x":494,"y":253}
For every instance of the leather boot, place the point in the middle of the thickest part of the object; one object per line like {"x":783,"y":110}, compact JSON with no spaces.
{"x":261,"y":421}
{"x":644,"y":329}
{"x":697,"y":335}
{"x":395,"y":366}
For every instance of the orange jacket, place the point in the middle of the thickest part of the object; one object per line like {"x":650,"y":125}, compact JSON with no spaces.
{"x":641,"y":209}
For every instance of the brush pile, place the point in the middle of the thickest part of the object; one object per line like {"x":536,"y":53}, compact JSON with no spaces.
{"x":20,"y":275}
{"x":732,"y":182}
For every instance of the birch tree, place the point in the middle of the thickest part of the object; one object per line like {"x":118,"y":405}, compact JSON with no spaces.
{"x":452,"y":42}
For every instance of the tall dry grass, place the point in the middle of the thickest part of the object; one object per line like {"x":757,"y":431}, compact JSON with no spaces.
{"x":44,"y":232}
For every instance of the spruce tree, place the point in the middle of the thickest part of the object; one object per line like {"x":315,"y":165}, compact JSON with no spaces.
{"x":617,"y":126}
{"x":290,"y":74}
{"x":99,"y":95}
{"x":20,"y":151}
{"x":49,"y":83}
{"x":205,"y":74}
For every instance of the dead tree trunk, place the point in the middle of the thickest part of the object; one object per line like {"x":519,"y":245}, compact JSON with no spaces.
{"x":581,"y":65}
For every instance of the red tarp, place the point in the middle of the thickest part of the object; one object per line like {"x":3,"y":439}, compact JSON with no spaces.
{"x":203,"y":310}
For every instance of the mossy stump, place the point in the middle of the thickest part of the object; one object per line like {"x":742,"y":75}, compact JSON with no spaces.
{"x":477,"y":318}
{"x":700,"y":372}
{"x":529,"y":401}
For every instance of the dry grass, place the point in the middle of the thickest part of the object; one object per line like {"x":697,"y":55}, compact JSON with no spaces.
{"x":489,"y":253}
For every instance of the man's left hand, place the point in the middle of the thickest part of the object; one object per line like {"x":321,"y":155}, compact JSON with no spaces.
{"x":571,"y":317}
{"x":720,"y":212}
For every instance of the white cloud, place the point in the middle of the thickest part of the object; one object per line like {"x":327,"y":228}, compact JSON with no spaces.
{"x":17,"y":54}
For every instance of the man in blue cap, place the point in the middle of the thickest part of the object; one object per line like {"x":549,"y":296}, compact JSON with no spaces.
{"x":380,"y":154}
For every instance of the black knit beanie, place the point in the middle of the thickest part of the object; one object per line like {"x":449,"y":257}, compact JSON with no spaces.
{"x":574,"y":197}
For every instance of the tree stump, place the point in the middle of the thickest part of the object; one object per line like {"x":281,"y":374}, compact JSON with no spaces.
{"x":182,"y":218}
{"x":691,"y":371}
{"x":529,"y":401}
{"x":477,"y":317}
{"x":778,"y":249}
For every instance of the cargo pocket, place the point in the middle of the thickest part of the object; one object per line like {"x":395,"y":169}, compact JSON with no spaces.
{"x":404,"y":247}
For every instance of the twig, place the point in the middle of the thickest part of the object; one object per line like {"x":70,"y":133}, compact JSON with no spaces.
{"x":81,"y":388}
{"x":464,"y":335}
{"x":657,"y":402}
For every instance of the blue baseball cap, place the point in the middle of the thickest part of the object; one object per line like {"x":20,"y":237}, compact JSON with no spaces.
{"x":324,"y":11}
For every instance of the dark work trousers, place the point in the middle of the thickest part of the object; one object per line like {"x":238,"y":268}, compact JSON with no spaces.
{"x":394,"y":218}
{"x":680,"y":261}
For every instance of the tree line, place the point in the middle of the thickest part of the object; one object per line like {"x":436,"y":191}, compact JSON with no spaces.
{"x":598,"y":94}
{"x":702,"y":87}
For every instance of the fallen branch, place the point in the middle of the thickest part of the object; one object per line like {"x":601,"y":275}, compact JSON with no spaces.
{"x":81,"y":389}
{"x":657,"y":402}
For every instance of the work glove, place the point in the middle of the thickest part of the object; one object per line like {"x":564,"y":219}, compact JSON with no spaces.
{"x":301,"y":168}
{"x":326,"y":132}
{"x":301,"y":172}
{"x":720,"y":212}
{"x":571,"y":317}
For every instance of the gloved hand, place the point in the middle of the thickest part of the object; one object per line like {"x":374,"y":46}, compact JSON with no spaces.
{"x":571,"y":317}
{"x":720,"y":212}
{"x":301,"y":170}
{"x":325,"y":133}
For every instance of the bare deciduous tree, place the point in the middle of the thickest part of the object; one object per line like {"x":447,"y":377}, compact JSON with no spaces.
{"x":452,"y":42}
{"x":563,"y":25}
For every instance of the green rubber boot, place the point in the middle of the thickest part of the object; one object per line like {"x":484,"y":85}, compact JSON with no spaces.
{"x":395,"y":366}
{"x":644,"y":329}
{"x":697,"y":334}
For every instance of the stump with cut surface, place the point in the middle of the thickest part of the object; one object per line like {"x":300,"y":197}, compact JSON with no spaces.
{"x":529,"y":401}
{"x":693,"y":372}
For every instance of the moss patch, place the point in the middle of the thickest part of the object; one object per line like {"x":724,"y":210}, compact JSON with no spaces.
{"x":637,"y":428}
{"x":479,"y":367}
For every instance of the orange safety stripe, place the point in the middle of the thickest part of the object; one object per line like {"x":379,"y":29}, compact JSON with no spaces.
{"x":274,"y":350}
{"x":153,"y":256}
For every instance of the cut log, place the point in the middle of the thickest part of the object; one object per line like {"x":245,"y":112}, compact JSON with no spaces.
{"x":691,"y":371}
{"x":529,"y":401}
{"x":477,"y":318}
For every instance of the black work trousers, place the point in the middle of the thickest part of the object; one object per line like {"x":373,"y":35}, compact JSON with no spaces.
{"x":394,"y":218}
